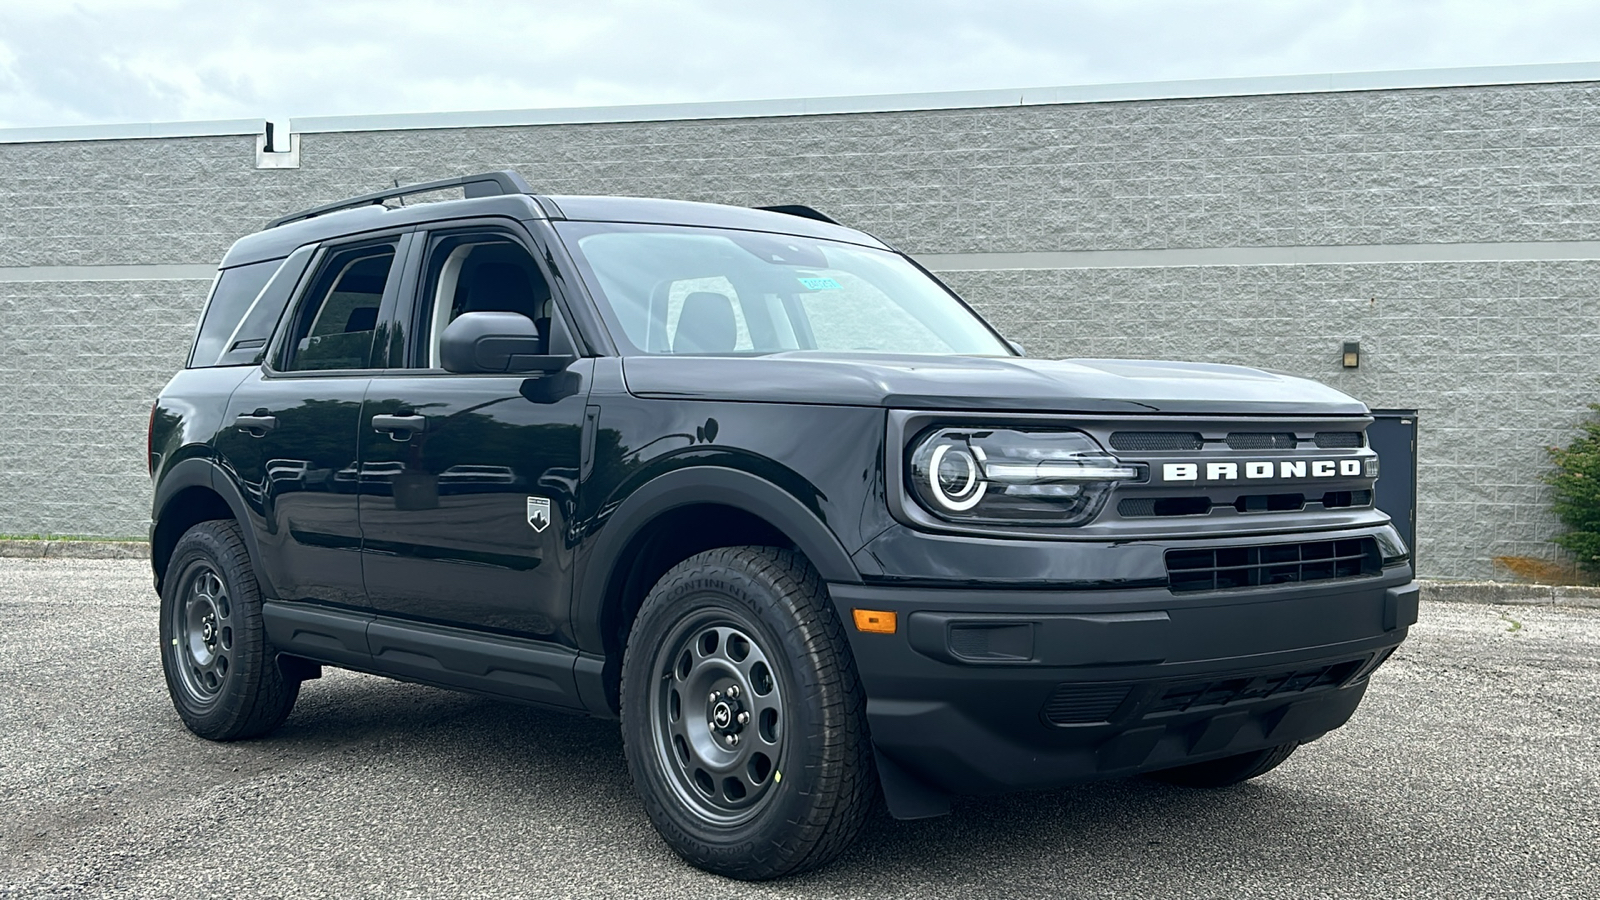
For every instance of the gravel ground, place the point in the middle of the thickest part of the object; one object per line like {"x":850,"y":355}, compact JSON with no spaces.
{"x":1472,"y":770}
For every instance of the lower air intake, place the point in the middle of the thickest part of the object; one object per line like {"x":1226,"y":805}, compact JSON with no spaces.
{"x":1085,"y":704}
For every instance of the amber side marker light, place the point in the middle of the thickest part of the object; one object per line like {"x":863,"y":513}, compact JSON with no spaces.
{"x":875,"y":621}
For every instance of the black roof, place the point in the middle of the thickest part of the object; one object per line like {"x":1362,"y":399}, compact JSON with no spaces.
{"x":367,"y":214}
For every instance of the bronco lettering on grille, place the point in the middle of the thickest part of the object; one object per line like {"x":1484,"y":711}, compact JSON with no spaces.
{"x":1261,"y":469}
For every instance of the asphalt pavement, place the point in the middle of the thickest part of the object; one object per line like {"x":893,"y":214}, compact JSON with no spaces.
{"x":1472,"y":770}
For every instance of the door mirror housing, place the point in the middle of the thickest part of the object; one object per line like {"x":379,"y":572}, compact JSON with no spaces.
{"x":497,"y":342}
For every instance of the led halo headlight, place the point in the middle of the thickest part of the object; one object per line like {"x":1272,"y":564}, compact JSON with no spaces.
{"x":1009,"y":476}
{"x":955,"y":479}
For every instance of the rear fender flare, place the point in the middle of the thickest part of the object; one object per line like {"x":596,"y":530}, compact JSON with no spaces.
{"x":205,"y":473}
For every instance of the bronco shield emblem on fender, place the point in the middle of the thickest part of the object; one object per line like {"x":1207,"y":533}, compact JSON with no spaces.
{"x":539,"y":513}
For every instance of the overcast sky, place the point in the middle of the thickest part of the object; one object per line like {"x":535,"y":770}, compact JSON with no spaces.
{"x":69,"y":62}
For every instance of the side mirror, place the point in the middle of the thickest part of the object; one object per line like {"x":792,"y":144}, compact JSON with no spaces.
{"x":496,"y":342}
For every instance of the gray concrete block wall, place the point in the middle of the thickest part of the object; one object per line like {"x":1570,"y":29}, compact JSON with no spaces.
{"x":80,"y":364}
{"x":1496,"y":354}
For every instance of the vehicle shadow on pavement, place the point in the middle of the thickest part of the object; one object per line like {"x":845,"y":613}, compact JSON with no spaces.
{"x":538,"y":763}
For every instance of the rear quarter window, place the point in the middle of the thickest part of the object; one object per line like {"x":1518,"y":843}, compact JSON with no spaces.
{"x":235,"y":291}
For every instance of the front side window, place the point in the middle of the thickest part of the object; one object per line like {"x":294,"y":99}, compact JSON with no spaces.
{"x":336,"y":320}
{"x":478,"y":272}
{"x":695,"y":291}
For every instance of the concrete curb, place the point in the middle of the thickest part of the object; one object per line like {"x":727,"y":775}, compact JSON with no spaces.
{"x":1485,"y":592}
{"x":1501,"y":593}
{"x":74,"y":549}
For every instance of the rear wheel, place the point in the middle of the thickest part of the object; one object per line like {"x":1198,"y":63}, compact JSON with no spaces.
{"x":223,"y":677}
{"x":743,"y":717}
{"x":1227,"y":770}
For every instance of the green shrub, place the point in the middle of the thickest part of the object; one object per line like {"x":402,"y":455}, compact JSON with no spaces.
{"x":1577,"y":495}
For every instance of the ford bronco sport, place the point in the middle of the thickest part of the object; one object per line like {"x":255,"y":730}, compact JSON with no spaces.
{"x":766,"y":491}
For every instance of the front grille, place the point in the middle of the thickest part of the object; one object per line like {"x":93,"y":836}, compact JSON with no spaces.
{"x":1244,"y":440}
{"x":1338,"y":440}
{"x":1223,"y":691}
{"x":1148,"y":507}
{"x":1083,"y":704}
{"x":1166,"y":507}
{"x":1342,"y":499}
{"x":1156,"y":440}
{"x":1250,"y":503}
{"x":1227,"y":568}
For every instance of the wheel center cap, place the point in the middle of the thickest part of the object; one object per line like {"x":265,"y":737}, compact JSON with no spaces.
{"x":208,"y":630}
{"x":722,"y":714}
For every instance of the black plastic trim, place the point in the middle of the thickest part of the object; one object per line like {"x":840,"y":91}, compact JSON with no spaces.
{"x":203,"y":472}
{"x":687,"y":487}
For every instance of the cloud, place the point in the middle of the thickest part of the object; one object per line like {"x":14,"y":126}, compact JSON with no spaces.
{"x":100,"y":61}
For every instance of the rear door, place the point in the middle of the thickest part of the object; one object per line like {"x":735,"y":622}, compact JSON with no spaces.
{"x":291,"y":428}
{"x":469,"y":481}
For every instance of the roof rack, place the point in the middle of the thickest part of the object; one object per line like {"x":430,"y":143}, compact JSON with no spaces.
{"x":488,"y":184}
{"x":804,"y":212}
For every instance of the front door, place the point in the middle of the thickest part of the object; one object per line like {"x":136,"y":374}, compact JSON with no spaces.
{"x":468,"y":481}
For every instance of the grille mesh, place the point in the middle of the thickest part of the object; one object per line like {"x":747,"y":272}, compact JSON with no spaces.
{"x":1342,"y":499}
{"x":1148,"y":507}
{"x":1226,"y":568}
{"x":1245,"y":440}
{"x":1156,"y":440}
{"x":1338,"y":440}
{"x":1082,"y":704}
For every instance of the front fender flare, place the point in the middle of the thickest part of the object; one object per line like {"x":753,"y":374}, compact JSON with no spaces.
{"x":696,"y":485}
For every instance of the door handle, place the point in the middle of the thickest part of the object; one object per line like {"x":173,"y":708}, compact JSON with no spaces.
{"x":395,"y":424}
{"x":256,"y":424}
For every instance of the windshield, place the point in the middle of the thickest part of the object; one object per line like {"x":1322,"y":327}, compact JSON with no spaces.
{"x":667,"y":289}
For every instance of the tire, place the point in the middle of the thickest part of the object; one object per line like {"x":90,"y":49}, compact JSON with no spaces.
{"x":743,"y":717}
{"x":223,"y":676}
{"x":1227,"y":770}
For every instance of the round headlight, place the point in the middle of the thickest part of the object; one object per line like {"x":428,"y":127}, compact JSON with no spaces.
{"x":954,"y":477}
{"x":1004,"y":475}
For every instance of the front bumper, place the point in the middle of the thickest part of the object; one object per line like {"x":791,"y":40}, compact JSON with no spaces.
{"x":987,"y":691}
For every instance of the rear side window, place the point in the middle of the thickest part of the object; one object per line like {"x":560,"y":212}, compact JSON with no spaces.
{"x":338,"y":315}
{"x":235,"y":292}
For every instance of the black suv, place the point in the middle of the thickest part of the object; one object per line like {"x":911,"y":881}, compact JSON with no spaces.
{"x":765,"y":490}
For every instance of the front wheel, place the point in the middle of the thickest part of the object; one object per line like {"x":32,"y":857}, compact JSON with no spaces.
{"x":743,"y":717}
{"x":1227,"y":770}
{"x":222,"y":674}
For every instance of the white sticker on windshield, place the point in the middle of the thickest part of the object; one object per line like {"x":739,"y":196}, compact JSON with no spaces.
{"x":821,"y":284}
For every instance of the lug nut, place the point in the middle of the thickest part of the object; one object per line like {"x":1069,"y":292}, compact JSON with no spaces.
{"x":733,"y":740}
{"x":714,"y":696}
{"x":744,"y":718}
{"x":733,"y":690}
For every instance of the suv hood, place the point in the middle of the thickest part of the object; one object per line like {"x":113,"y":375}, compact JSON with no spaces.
{"x":981,"y":383}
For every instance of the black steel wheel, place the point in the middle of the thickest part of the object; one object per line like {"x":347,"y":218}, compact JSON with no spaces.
{"x":743,"y":717}
{"x":203,"y":626}
{"x":1228,"y":770}
{"x":717,"y":716}
{"x":222,"y":675}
